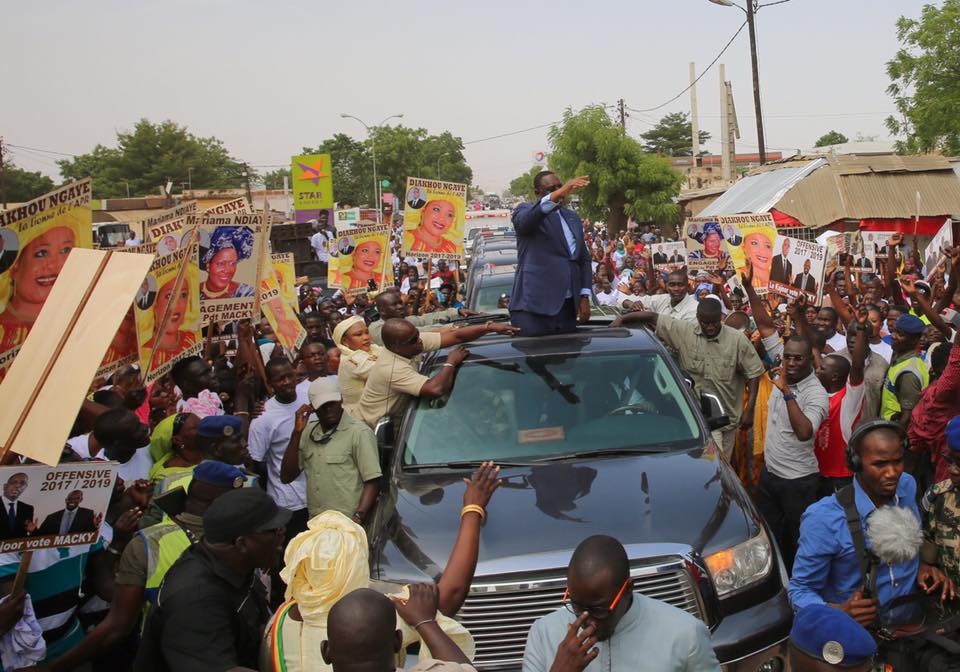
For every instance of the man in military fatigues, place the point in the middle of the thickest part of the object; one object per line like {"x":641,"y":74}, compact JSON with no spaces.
{"x":942,"y":505}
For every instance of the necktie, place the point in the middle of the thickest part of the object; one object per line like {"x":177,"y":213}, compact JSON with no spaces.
{"x":12,"y":516}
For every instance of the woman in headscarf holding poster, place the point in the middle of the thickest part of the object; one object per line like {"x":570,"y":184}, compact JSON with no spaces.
{"x":229,"y":245}
{"x":25,"y":287}
{"x":436,"y":218}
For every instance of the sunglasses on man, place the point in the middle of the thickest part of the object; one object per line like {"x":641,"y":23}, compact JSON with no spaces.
{"x":597,"y":613}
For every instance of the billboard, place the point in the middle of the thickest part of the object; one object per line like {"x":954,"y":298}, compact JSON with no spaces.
{"x":312,"y":185}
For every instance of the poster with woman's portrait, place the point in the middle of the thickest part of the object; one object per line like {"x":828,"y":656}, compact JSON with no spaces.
{"x":279,"y":312}
{"x":751,"y":238}
{"x":433,"y":219}
{"x":168,"y":318}
{"x":284,"y":269}
{"x":703,"y":238}
{"x":363,"y":257}
{"x":231,"y":255}
{"x":37,"y":237}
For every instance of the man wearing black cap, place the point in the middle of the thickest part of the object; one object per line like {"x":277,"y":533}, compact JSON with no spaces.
{"x":211,"y":608}
{"x":147,"y":559}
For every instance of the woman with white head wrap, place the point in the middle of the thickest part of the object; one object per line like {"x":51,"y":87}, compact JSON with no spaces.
{"x":358,"y":353}
{"x":331,"y":559}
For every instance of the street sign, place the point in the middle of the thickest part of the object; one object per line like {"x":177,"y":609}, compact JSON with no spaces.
{"x":385,"y":184}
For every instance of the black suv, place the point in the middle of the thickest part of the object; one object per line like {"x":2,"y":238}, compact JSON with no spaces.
{"x":597,"y":432}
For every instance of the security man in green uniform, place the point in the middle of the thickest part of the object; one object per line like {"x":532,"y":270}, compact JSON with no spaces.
{"x":907,"y":375}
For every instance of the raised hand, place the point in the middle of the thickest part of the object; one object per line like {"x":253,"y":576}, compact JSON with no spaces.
{"x":482,"y":486}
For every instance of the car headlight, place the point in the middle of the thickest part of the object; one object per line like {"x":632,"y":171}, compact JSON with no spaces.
{"x":740,"y":566}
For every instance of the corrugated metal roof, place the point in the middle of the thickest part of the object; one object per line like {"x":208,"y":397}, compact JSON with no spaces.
{"x":761,"y":190}
{"x":833,"y":188}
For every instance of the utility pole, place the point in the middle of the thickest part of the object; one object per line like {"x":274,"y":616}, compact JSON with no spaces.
{"x":694,"y":122}
{"x":725,"y":168}
{"x":246,"y":179}
{"x":3,"y":177}
{"x":623,"y":116}
{"x":751,"y":9}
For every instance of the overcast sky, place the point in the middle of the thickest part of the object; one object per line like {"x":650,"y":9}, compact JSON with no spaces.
{"x":268,"y":78}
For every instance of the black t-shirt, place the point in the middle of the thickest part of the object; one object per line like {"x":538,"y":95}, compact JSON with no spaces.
{"x":207,"y":618}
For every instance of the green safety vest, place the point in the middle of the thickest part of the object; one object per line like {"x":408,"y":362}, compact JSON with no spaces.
{"x":889,"y":404}
{"x":164,"y":542}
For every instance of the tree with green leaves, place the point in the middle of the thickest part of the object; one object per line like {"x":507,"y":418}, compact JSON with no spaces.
{"x":625,"y":181}
{"x":402,"y":152}
{"x":925,"y":81}
{"x":151,"y":155}
{"x":523,"y":186}
{"x":274,"y":179}
{"x":831,"y":138}
{"x":672,"y":136}
{"x":24,"y":185}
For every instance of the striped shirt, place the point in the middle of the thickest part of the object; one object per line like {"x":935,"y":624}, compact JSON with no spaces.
{"x":53,"y":582}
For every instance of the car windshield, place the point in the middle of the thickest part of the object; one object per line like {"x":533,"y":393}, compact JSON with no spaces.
{"x":541,"y":406}
{"x":489,"y":295}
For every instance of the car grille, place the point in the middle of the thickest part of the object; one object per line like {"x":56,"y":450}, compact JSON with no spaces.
{"x":499,"y":614}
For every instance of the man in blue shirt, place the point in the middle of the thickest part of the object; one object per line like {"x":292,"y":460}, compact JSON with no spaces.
{"x":827,"y":566}
{"x":604,"y":625}
{"x":554,"y":276}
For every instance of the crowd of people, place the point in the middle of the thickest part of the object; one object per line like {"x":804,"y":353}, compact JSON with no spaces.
{"x":236,"y":537}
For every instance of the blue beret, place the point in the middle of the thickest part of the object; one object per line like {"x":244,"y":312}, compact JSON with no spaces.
{"x":219,"y":426}
{"x":910,"y":324}
{"x":953,"y":434}
{"x":830,"y":635}
{"x":219,"y":474}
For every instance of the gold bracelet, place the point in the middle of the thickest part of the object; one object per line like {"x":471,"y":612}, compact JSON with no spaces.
{"x":474,"y":508}
{"x":241,"y":412}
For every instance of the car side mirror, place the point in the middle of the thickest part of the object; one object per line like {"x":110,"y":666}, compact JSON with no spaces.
{"x":713,"y":411}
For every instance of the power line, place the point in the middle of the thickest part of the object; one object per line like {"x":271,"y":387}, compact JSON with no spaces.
{"x":44,"y":151}
{"x":694,"y":82}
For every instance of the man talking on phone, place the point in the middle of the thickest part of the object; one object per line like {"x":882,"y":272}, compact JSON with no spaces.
{"x":554,"y":278}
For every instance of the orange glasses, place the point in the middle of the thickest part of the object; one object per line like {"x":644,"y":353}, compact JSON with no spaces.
{"x":599,"y":613}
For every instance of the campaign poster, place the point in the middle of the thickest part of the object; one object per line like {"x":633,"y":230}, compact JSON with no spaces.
{"x":168,"y":317}
{"x":875,"y":245}
{"x":122,"y":352}
{"x":234,"y":206}
{"x":35,"y":240}
{"x":285,"y":270}
{"x":167,"y":222}
{"x":751,"y":237}
{"x":230,"y":257}
{"x":54,"y":506}
{"x":797,"y":269}
{"x":433,"y":219}
{"x":279,"y":312}
{"x":363,"y":257}
{"x":703,"y":239}
{"x":312,"y":185}
{"x":668,"y":256}
{"x":934,"y":255}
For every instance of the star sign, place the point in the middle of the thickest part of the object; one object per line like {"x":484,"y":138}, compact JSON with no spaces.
{"x":312,"y":173}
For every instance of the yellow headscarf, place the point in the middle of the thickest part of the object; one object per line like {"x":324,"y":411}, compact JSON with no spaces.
{"x":342,"y":328}
{"x":328,"y":561}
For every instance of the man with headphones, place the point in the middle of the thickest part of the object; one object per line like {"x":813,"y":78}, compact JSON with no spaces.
{"x":860,"y":548}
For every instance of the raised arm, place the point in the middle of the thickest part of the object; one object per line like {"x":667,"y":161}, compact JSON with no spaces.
{"x":861,"y":348}
{"x":761,"y":316}
{"x":917,"y":299}
{"x":467,"y":334}
{"x":954,"y":260}
{"x":442,"y":383}
{"x":893,"y":287}
{"x":455,"y":581}
{"x":290,"y":465}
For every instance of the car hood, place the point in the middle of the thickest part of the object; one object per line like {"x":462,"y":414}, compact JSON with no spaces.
{"x":677,"y":501}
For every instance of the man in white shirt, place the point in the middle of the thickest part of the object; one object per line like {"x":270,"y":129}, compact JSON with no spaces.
{"x":677,"y":302}
{"x":318,"y":242}
{"x":117,"y":435}
{"x":269,"y":436}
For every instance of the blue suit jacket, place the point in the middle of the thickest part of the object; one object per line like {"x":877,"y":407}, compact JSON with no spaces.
{"x":546,"y":272}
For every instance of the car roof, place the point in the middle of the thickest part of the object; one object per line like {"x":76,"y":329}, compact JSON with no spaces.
{"x":496,"y":279}
{"x":590,"y":339}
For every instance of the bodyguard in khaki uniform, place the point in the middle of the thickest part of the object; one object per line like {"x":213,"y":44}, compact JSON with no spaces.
{"x":719,"y":358}
{"x":337,"y":452}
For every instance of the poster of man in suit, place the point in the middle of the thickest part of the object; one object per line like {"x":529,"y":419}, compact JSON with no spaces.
{"x":806,"y":260}
{"x":66,"y":505}
{"x":18,"y":515}
{"x":669,"y":256}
